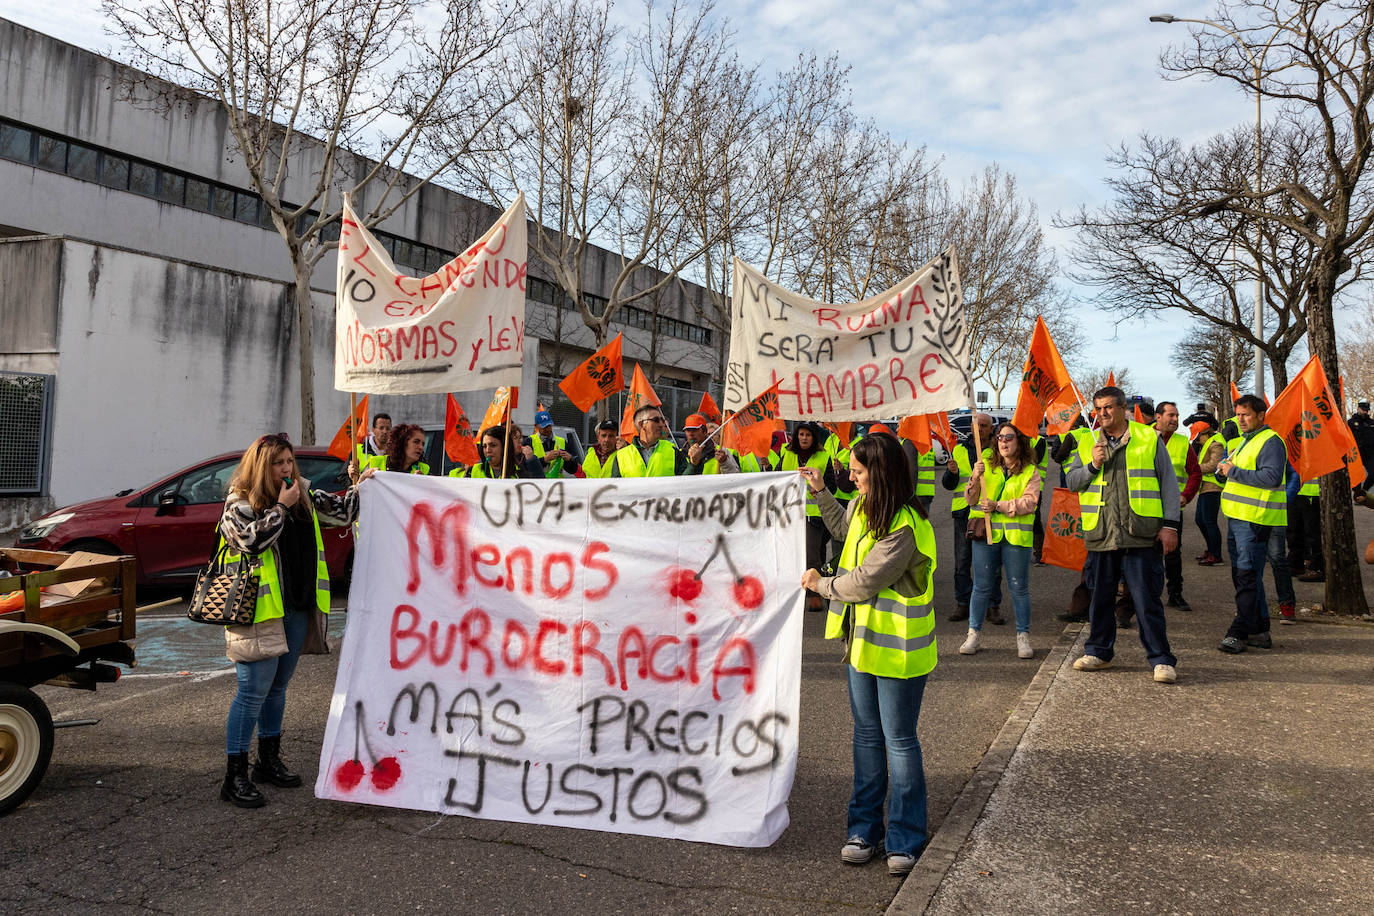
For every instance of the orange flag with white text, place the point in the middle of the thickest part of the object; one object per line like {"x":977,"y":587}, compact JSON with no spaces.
{"x":459,"y":445}
{"x":1063,"y":411}
{"x":1043,"y":378}
{"x":341,"y":446}
{"x":1306,"y":415}
{"x":641,"y":393}
{"x":599,"y":376}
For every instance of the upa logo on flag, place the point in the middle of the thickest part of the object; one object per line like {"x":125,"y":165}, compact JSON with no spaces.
{"x":1066,"y":525}
{"x":602,"y":373}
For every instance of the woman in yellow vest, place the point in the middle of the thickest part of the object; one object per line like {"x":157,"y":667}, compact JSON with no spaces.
{"x":403,"y":451}
{"x":1211,"y":452}
{"x":272,"y":516}
{"x":505,"y":462}
{"x":881,"y":606}
{"x":1005,"y":494}
{"x":807,"y":449}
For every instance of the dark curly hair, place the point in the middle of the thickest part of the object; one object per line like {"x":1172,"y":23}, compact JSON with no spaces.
{"x":396,"y":446}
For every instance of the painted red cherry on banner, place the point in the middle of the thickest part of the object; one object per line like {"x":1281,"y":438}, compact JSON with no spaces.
{"x":386,"y":773}
{"x":748,"y":592}
{"x":349,"y":774}
{"x":684,"y":584}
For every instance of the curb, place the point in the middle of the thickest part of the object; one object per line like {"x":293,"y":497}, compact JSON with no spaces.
{"x":919,"y":888}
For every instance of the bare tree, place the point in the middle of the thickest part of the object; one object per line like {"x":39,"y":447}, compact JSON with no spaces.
{"x":1207,"y":363}
{"x":1149,"y":255}
{"x":1094,"y":378}
{"x":1320,"y":69}
{"x":323,"y":97}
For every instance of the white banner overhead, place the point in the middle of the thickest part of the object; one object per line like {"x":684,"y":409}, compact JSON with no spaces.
{"x":460,"y":328}
{"x":899,"y":353}
{"x":583,"y":653}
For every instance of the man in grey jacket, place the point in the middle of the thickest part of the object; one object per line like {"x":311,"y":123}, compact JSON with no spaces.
{"x":1120,"y":530}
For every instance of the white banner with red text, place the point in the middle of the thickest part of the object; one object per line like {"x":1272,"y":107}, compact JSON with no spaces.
{"x":902,"y":352}
{"x":607,"y":654}
{"x":460,"y":328}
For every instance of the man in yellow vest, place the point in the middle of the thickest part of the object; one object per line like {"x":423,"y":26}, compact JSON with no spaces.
{"x":703,"y":456}
{"x":1211,"y":452}
{"x":956,"y":477}
{"x":1189,"y":475}
{"x":597,"y":463}
{"x":550,"y":449}
{"x":1256,"y":509}
{"x":650,"y":455}
{"x":1129,"y":499}
{"x":374,"y":445}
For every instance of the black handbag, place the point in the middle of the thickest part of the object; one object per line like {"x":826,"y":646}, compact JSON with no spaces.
{"x":226,"y":594}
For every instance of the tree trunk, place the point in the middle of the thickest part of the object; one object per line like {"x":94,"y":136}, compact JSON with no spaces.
{"x":305,"y":322}
{"x":1344,"y":589}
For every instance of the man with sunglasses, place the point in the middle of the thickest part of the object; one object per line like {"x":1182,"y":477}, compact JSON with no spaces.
{"x":1130,"y":497}
{"x":651,"y":454}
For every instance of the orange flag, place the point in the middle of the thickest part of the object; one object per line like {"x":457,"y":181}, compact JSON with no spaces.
{"x":341,"y":446}
{"x":1111,"y":380}
{"x":599,"y":376}
{"x":1063,"y":411}
{"x":1235,"y":394}
{"x":1044,"y":377}
{"x":1064,"y":532}
{"x":752,"y":426}
{"x":498,"y":414}
{"x":458,"y":442}
{"x":641,"y":393}
{"x":1139,"y":416}
{"x":843,"y":431}
{"x":1305,"y":414}
{"x":924,"y":428}
{"x":708,"y":408}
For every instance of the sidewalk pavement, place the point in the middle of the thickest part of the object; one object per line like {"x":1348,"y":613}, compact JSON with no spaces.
{"x":1246,"y":787}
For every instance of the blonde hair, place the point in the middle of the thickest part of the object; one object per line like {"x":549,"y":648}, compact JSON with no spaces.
{"x":253,"y":479}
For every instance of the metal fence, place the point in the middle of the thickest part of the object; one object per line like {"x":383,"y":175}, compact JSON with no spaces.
{"x":26,"y":421}
{"x":677,"y":404}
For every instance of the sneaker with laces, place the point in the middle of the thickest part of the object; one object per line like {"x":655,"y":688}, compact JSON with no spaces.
{"x":1023,"y":646}
{"x":1165,"y":674}
{"x":900,"y":863}
{"x":1287,"y":611}
{"x":1091,"y":663}
{"x":1260,"y":640}
{"x":1232,"y":646}
{"x":972,"y":643}
{"x":857,"y":851}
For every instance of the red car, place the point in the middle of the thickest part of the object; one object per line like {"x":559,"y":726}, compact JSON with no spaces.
{"x":169,"y":525}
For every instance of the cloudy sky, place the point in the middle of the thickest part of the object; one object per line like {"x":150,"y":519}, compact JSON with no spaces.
{"x":1046,"y":88}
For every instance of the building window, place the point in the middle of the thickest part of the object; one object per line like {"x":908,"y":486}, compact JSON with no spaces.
{"x":197,"y":195}
{"x":171,"y":187}
{"x":114,"y":172}
{"x":143,"y":179}
{"x":246,"y":207}
{"x":83,"y":162}
{"x":16,"y":143}
{"x":222,"y":202}
{"x":52,"y":154}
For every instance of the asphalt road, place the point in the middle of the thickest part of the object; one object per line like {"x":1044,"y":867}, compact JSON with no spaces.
{"x":128,"y":818}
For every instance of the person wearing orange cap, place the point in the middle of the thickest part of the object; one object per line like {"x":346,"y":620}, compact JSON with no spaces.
{"x":703,"y":457}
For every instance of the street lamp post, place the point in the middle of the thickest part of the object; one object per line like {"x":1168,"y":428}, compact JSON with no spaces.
{"x":1256,"y":63}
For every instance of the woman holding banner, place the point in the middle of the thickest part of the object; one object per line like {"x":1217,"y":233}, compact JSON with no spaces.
{"x":273,"y":516}
{"x":881,"y":607}
{"x":500,"y":460}
{"x":1006,"y":495}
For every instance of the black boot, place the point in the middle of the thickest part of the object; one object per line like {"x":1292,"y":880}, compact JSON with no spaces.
{"x":238,"y":789}
{"x":269,"y":767}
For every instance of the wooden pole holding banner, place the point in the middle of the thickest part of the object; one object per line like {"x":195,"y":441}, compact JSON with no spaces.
{"x":353,"y":428}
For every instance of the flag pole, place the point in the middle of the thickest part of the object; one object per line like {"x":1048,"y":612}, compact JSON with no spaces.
{"x":353,"y":424}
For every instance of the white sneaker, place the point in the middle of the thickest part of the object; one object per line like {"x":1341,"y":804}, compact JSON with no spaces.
{"x":1165,"y":674}
{"x":971,"y":643}
{"x":1023,"y":646}
{"x":1090,"y":663}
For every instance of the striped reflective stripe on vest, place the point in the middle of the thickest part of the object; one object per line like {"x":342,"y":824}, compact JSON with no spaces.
{"x":1142,"y":486}
{"x":1246,"y":503}
{"x":888,"y":641}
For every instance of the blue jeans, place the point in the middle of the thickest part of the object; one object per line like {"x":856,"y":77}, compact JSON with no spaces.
{"x":1208,"y":505}
{"x":886,"y":750}
{"x":988,"y":562}
{"x":1249,"y":545}
{"x":963,"y":565}
{"x":1143,"y":571}
{"x":261,"y":698}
